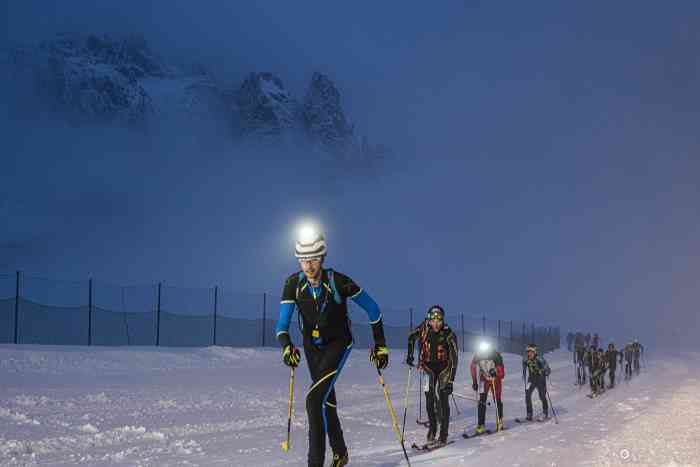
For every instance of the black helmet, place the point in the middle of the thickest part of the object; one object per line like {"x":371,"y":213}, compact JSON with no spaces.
{"x":436,"y":311}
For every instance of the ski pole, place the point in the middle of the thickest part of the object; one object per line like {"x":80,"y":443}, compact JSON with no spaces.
{"x":455,"y":404}
{"x":285,"y":444}
{"x":392,"y":413}
{"x":405,"y":406}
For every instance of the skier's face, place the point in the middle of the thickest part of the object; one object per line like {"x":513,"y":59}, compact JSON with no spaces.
{"x":530,"y":355}
{"x":436,"y":324}
{"x":311,"y":268}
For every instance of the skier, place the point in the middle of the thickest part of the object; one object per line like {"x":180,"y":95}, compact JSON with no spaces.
{"x":596,"y":341}
{"x":637,"y":350}
{"x":587,"y":339}
{"x":438,"y":358}
{"x":580,"y":352}
{"x":489,"y":364}
{"x":611,"y":356}
{"x":603,"y":367}
{"x":321,"y":296}
{"x":629,"y":356}
{"x":536,"y":369}
{"x":569,"y":340}
{"x":596,"y":367}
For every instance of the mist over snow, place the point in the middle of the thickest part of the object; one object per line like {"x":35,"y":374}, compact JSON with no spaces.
{"x":537,"y":163}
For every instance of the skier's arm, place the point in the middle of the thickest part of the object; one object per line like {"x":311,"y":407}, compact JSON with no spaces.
{"x":524,"y":370}
{"x":411,"y":342}
{"x":472,"y":370}
{"x":367,"y":303}
{"x":454,"y":356}
{"x":545,"y":367}
{"x":287,"y":305}
{"x":500,"y":368}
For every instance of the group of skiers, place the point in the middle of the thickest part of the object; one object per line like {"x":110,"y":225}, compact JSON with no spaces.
{"x":593,"y":363}
{"x":320,"y":296}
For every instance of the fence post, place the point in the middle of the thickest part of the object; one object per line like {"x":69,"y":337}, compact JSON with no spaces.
{"x":410,"y":319}
{"x":17,"y":308}
{"x":216,"y":304}
{"x":498,"y":339}
{"x":90,"y":311}
{"x":264,"y":318}
{"x":483,"y":324}
{"x":158,"y":316}
{"x":462,"y":320}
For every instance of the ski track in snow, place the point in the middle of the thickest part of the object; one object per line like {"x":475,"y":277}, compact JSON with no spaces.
{"x":144,"y":406}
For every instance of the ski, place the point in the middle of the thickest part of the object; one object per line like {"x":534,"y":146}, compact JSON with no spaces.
{"x":422,"y":423}
{"x":474,"y":435}
{"x":430,"y":446}
{"x":523,"y":420}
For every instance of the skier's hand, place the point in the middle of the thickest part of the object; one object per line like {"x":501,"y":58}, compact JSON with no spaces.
{"x":409,"y":360}
{"x":448,"y":388}
{"x":492,"y":372}
{"x":379,"y":355}
{"x":291,"y":356}
{"x":475,"y":386}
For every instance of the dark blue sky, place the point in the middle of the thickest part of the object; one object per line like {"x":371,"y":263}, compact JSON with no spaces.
{"x":546,"y":160}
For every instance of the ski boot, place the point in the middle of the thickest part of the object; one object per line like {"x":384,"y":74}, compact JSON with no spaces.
{"x":340,"y":461}
{"x":529,"y":417}
{"x":430,"y":438}
{"x":480,"y":429}
{"x":499,"y":425}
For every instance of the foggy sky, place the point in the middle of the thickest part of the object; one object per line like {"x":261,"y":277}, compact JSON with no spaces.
{"x":546,"y":161}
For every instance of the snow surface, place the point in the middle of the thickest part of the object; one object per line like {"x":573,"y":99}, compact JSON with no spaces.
{"x":223,"y":406}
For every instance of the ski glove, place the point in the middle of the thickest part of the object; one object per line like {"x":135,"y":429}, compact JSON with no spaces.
{"x":291,"y":356}
{"x":475,"y":386}
{"x":447,"y":389}
{"x":379,"y":355}
{"x":492,"y":372}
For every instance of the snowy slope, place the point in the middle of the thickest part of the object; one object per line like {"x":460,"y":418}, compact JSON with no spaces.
{"x":222,"y":406}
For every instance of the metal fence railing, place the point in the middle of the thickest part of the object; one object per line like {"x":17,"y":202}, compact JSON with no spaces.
{"x":38,"y":310}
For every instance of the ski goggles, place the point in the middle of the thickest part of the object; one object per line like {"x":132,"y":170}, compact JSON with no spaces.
{"x":313,"y":260}
{"x":435,"y":316}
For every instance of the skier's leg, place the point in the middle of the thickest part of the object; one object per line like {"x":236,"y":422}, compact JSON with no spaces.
{"x":542,"y":392}
{"x":528,"y":400}
{"x":430,"y":406}
{"x":444,"y":415}
{"x":328,"y":363}
{"x":481,"y":420}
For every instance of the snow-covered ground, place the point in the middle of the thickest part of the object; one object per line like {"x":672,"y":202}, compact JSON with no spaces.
{"x":223,"y":406}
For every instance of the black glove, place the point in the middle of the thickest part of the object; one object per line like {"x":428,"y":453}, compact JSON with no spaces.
{"x":475,"y":386}
{"x":291,"y":356}
{"x":492,"y":372}
{"x":447,"y":389}
{"x":379,"y":355}
{"x":409,"y":360}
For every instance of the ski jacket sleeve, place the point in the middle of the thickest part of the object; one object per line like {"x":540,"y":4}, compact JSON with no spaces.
{"x":544,"y":366}
{"x":412,"y":339}
{"x":524,"y":369}
{"x":349,"y":289}
{"x":287,"y":305}
{"x":500,"y":368}
{"x":451,"y":370}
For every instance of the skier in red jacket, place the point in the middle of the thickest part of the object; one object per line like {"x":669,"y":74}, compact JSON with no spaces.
{"x":489,"y":365}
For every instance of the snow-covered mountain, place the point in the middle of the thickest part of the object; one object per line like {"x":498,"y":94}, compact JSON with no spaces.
{"x":100,"y":79}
